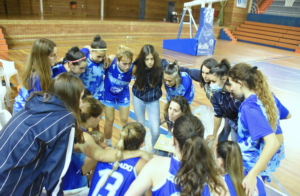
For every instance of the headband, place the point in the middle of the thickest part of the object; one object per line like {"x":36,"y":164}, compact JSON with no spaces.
{"x":99,"y":48}
{"x":77,"y":60}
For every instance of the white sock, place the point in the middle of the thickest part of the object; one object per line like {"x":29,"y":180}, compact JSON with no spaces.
{"x":108,"y":141}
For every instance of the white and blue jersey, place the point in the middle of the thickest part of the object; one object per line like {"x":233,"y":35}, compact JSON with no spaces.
{"x":119,"y":181}
{"x":168,"y":187}
{"x":253,"y":125}
{"x":260,"y":186}
{"x":185,"y":89}
{"x":58,"y":69}
{"x":74,"y":178}
{"x":92,"y":78}
{"x":20,"y":100}
{"x":116,"y":86}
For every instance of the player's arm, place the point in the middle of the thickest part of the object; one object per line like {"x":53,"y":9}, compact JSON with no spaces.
{"x":94,"y":151}
{"x":143,"y":182}
{"x":88,"y":47}
{"x":289,"y":116}
{"x":139,"y":166}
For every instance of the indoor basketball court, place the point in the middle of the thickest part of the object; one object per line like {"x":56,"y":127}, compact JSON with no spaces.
{"x":264,"y":33}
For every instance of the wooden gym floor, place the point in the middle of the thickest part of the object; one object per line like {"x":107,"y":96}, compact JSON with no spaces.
{"x":282,"y":68}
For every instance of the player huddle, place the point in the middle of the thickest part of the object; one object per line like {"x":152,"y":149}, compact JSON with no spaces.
{"x":53,"y":141}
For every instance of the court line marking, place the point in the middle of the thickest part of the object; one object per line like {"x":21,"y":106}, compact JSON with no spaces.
{"x":288,"y":71}
{"x":282,"y":188}
{"x":277,"y":191}
{"x":283,"y":80}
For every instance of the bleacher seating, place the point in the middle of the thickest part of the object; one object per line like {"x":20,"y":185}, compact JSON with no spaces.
{"x":278,"y":8}
{"x":3,"y":45}
{"x":280,"y":36}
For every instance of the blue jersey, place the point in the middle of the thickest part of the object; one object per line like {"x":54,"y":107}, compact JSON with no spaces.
{"x":253,"y":125}
{"x":119,"y":181}
{"x":20,"y":100}
{"x":92,"y":78}
{"x":116,"y":81}
{"x":58,"y":69}
{"x":260,"y":186}
{"x":185,"y":89}
{"x":169,"y":186}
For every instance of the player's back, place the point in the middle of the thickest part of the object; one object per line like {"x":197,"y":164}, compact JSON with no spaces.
{"x":119,"y":181}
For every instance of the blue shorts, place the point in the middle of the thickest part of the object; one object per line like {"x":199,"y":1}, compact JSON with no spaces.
{"x":122,"y":100}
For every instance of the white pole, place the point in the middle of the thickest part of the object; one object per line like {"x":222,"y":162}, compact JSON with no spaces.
{"x":41,"y":7}
{"x":102,"y":8}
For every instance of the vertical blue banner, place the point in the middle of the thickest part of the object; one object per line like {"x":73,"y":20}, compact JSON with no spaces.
{"x":205,"y":33}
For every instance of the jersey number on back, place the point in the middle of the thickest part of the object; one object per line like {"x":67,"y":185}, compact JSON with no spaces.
{"x":111,"y":188}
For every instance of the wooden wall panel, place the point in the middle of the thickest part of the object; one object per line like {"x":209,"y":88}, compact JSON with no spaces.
{"x":61,"y":7}
{"x":12,"y":7}
{"x":155,"y":9}
{"x":120,"y":8}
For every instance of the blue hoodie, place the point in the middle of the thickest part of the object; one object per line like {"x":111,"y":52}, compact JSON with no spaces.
{"x":36,"y":147}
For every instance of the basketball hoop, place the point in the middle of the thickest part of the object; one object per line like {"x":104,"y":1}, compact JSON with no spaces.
{"x":289,"y":3}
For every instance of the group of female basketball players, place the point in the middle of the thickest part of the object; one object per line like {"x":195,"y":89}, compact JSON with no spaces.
{"x":50,"y":143}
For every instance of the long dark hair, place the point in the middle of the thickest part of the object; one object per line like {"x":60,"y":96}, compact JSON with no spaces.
{"x":185,"y":126}
{"x":197,"y":163}
{"x":156,"y":70}
{"x":209,"y":63}
{"x":231,"y":154}
{"x":73,"y":54}
{"x":68,"y":89}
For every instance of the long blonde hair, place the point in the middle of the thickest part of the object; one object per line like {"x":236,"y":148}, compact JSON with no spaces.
{"x":255,"y":80}
{"x":231,"y":154}
{"x":38,"y":64}
{"x":132,"y":136}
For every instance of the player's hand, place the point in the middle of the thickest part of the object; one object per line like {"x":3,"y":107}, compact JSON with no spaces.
{"x":147,"y":156}
{"x":210,"y":138}
{"x":249,"y":183}
{"x":107,"y":62}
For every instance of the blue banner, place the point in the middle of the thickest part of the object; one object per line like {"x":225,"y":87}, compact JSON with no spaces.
{"x":205,"y":33}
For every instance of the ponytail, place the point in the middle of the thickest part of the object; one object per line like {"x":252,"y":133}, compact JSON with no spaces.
{"x":255,"y":80}
{"x":231,"y":154}
{"x":174,"y":71}
{"x":220,"y":70}
{"x":132,"y":136}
